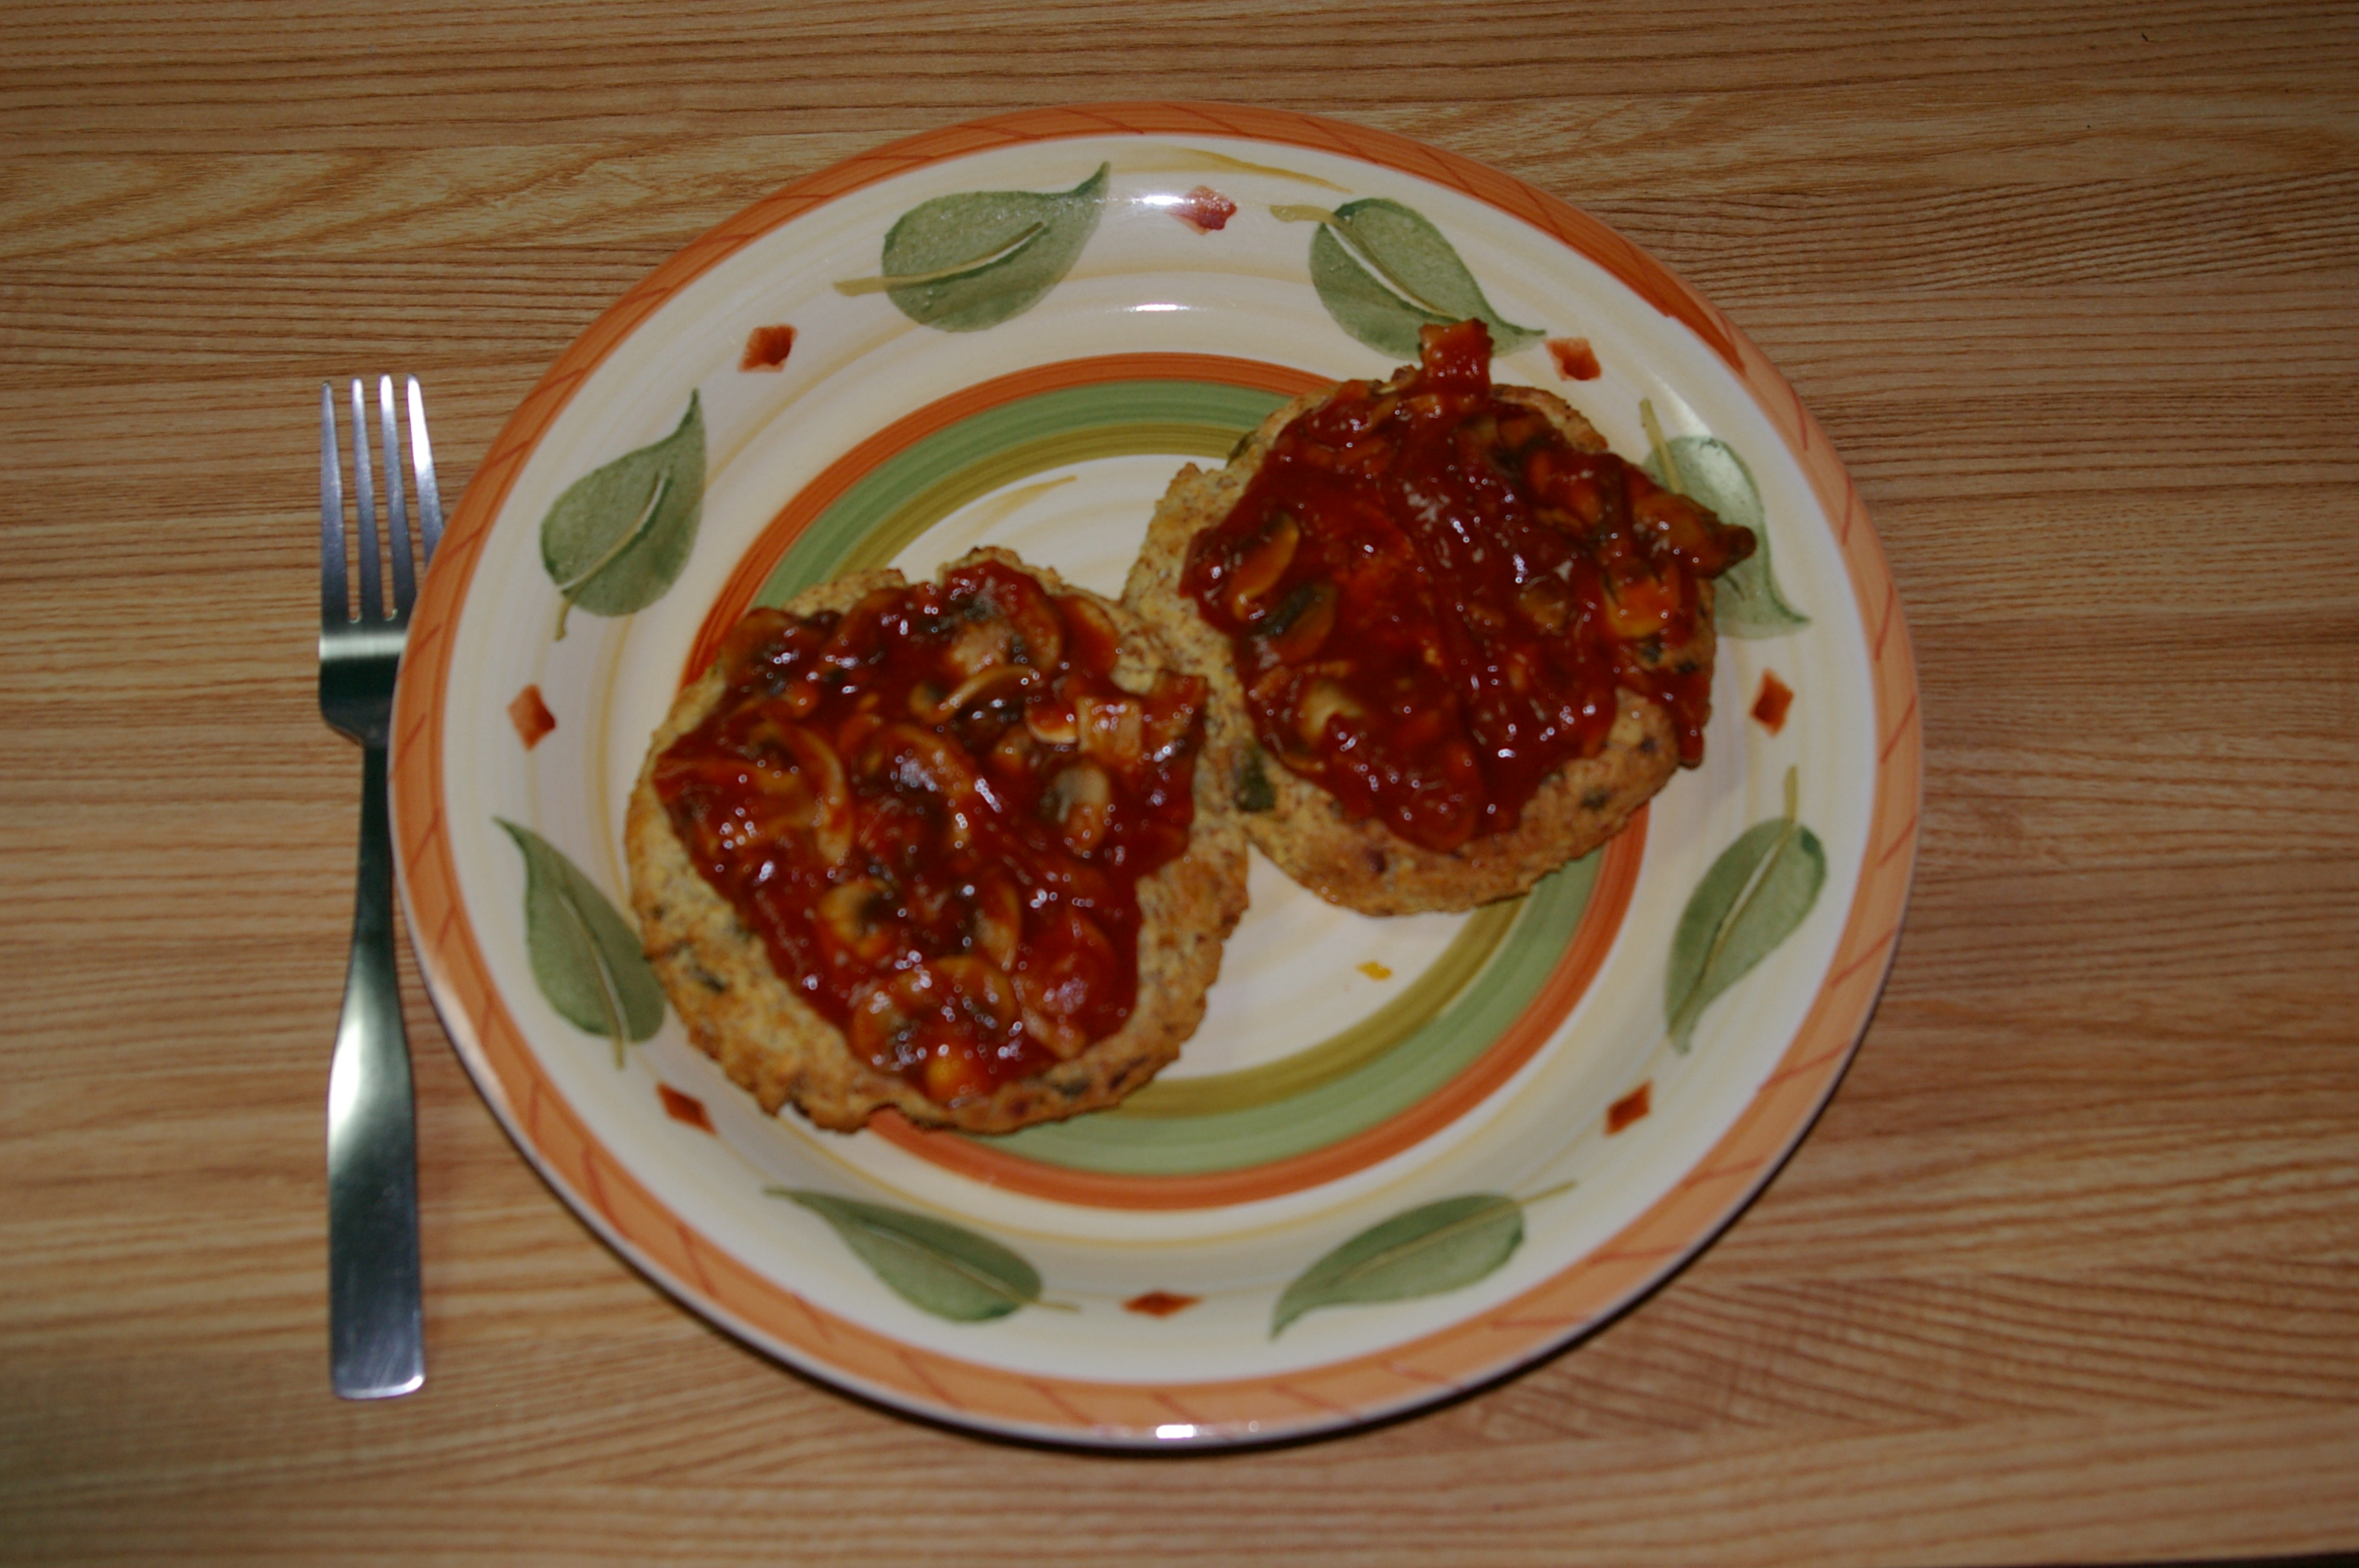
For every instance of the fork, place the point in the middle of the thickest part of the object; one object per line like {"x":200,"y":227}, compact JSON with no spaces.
{"x":376,"y":1326}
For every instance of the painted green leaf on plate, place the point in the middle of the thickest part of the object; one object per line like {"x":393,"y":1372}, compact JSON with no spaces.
{"x":1435,"y":1248}
{"x":1753,"y":896}
{"x":935,"y":1266}
{"x":1383,"y":272}
{"x":585,"y":957}
{"x":970,"y":261}
{"x":619,"y":536}
{"x":1748,"y":603}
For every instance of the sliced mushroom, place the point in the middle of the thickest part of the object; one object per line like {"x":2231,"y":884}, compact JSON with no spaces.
{"x":1172,"y":705}
{"x":981,"y":645}
{"x":938,"y":1020}
{"x":848,"y":920}
{"x":1080,"y":801}
{"x":1296,"y":631}
{"x":1040,"y":632}
{"x":882,"y":1026}
{"x":906,"y":757}
{"x":1112,"y":730}
{"x":809,"y":790}
{"x":1261,"y":562}
{"x":831,"y":822}
{"x":981,"y":991}
{"x":954,"y":1072}
{"x":1009,"y":620}
{"x":1050,"y":720}
{"x":1061,"y":1036}
{"x":997,"y":921}
{"x":919,"y":759}
{"x":859,"y":632}
{"x":1323,"y":700}
{"x":931,"y":707}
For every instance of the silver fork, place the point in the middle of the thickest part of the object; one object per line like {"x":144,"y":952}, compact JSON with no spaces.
{"x":376,"y":1332}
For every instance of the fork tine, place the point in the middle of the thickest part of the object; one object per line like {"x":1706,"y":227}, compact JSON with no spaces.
{"x":364,"y":510}
{"x":397,"y":516}
{"x":335,"y":592}
{"x":421,"y":457}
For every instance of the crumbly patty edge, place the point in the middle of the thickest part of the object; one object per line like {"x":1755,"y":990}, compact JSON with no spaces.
{"x":768,"y":1041}
{"x":1358,"y":862}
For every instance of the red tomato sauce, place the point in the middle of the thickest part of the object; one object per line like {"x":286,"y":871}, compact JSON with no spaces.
{"x":1432,"y":597}
{"x":934,"y":808}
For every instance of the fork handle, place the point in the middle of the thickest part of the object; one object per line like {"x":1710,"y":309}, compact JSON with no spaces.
{"x":376,"y":1326}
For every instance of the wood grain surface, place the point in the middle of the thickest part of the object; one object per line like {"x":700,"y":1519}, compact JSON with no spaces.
{"x":2070,"y":1270}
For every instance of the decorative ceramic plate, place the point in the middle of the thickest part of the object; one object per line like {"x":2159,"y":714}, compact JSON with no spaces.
{"x":1401,"y":1157}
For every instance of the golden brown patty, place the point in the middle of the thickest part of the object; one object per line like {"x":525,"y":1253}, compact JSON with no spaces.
{"x":1360,"y":863}
{"x":769,"y":1040}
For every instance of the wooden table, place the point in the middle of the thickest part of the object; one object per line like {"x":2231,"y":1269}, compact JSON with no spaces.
{"x":2069,"y":1271}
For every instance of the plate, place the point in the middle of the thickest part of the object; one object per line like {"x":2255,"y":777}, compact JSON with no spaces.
{"x":1401,"y":1157}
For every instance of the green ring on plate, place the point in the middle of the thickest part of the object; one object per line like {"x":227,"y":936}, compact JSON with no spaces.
{"x":1333,"y":1088}
{"x":887,"y":509}
{"x":1402,"y":1053}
